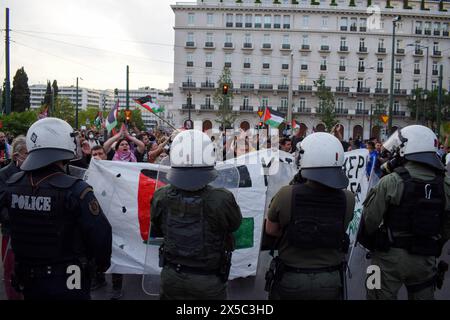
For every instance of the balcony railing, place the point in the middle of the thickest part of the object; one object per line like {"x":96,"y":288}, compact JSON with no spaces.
{"x":284,"y":66}
{"x":209,"y":44}
{"x":303,"y":110}
{"x":283,"y":87}
{"x":381,"y":90}
{"x":266,"y":65}
{"x":361,"y":69}
{"x":416,"y":71}
{"x":324,"y":88}
{"x":341,"y":68}
{"x":286,"y":26}
{"x":363,"y":90}
{"x":445,"y":33}
{"x":400,"y":51}
{"x":266,"y":86}
{"x":342,"y":89}
{"x":341,"y":111}
{"x":227,"y":64}
{"x":248,"y":45}
{"x":427,"y":32}
{"x":304,"y":88}
{"x":418,"y":52}
{"x":206,"y":107}
{"x":190,"y":44}
{"x":398,"y":70}
{"x":239,"y":24}
{"x":208,"y":64}
{"x":285,"y":46}
{"x":418,"y":31}
{"x":247,"y":65}
{"x":267,"y":46}
{"x":246,"y":108}
{"x":343,"y":48}
{"x":189,"y":84}
{"x":435,"y":72}
{"x":304,"y":67}
{"x":380,"y":70}
{"x":401,"y":92}
{"x":362,"y":49}
{"x":186,"y":107}
{"x":210,"y":85}
{"x":362,"y":29}
{"x":381,"y":50}
{"x":189,"y":63}
{"x":306,"y":47}
{"x":359,"y":111}
{"x":229,"y":24}
{"x":353,"y":28}
{"x":258,"y":25}
{"x":343,"y":28}
{"x":323,"y":67}
{"x":324,"y":48}
{"x":436,"y":33}
{"x":437,"y":53}
{"x":276,"y":26}
{"x":247,"y":86}
{"x":282,"y":109}
{"x":228,"y":45}
{"x":248,"y":24}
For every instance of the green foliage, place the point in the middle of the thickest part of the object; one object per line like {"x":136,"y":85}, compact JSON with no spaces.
{"x":55,"y":88}
{"x":441,"y":6}
{"x":327,"y":112}
{"x":18,"y":123}
{"x":136,"y":119}
{"x":225,"y":116}
{"x":428,"y":108}
{"x":64,"y":110}
{"x":48,"y":95}
{"x":388,"y":4}
{"x":352,"y":3}
{"x":20,"y":93}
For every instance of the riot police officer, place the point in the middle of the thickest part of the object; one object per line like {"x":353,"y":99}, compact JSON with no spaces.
{"x":57,"y":226}
{"x":196,"y":221}
{"x":310,"y":220}
{"x":406,"y":217}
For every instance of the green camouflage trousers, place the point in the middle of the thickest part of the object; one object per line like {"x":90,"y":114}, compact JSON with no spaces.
{"x":398,"y":267}
{"x":185,"y":286}
{"x":307,"y":286}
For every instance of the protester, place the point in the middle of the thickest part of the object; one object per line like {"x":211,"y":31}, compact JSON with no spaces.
{"x":5,"y":151}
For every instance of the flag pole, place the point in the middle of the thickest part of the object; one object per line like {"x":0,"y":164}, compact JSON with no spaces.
{"x":165,"y":121}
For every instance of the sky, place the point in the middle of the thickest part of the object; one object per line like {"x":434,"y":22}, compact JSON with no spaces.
{"x":91,"y":39}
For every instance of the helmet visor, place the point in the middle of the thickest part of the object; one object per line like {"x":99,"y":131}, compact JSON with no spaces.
{"x":78,"y":153}
{"x":393,"y":142}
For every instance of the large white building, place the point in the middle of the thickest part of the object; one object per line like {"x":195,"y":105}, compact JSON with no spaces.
{"x":102,"y":99}
{"x":343,"y":40}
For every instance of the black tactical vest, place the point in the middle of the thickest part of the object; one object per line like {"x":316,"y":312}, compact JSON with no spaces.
{"x":189,"y":238}
{"x":42,"y":220}
{"x":419,"y":214}
{"x":317,"y":219}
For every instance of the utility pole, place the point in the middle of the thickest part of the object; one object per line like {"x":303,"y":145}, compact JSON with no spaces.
{"x":7,"y":75}
{"x":76,"y":108}
{"x":391,"y":94}
{"x":128,"y":88}
{"x":425,"y":96}
{"x":370,"y":120}
{"x":291,"y":87}
{"x":439,"y":105}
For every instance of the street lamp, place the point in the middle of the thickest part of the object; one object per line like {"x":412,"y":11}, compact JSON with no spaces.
{"x":426,"y":78}
{"x":76,"y":108}
{"x":391,"y":95}
{"x":188,"y":124}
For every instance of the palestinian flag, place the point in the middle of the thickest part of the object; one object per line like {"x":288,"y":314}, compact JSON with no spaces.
{"x":295,"y":124}
{"x":148,"y":103}
{"x":273,"y":118}
{"x":111,"y":121}
{"x":43,"y":114}
{"x":98,"y":120}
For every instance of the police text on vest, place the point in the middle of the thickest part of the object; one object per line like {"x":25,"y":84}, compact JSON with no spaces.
{"x":31,"y":203}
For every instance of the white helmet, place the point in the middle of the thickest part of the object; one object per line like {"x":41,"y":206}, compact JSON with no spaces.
{"x":192,"y":160}
{"x":322,"y":159}
{"x":49,"y":140}
{"x":415,"y":143}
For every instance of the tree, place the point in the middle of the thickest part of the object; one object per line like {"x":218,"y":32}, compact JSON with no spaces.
{"x":225,"y":116}
{"x":64,"y":110}
{"x":20,"y":93}
{"x":55,"y":88}
{"x":18,"y":122}
{"x":2,"y":99}
{"x":327,"y":112}
{"x":136,"y":119}
{"x":428,"y":107}
{"x":48,"y":95}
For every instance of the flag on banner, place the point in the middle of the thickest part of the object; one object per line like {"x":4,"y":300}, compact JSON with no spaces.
{"x":43,"y":114}
{"x":295,"y":124}
{"x":98,"y":120}
{"x":111,"y":121}
{"x":273,"y":118}
{"x":148,"y":103}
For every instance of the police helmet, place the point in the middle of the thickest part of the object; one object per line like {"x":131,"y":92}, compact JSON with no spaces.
{"x":415,"y":143}
{"x":49,"y":140}
{"x":192,"y":161}
{"x":321,"y":160}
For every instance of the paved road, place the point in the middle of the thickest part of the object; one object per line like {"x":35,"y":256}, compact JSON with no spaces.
{"x":252,"y":288}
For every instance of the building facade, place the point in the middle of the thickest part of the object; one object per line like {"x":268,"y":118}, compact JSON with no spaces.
{"x":345,"y":41}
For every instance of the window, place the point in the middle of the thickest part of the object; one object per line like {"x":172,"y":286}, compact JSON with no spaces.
{"x":189,"y":60}
{"x":248,"y":38}
{"x":277,"y":22}
{"x":305,"y":40}
{"x":436,"y":28}
{"x":248,"y":20}
{"x":435,"y":46}
{"x":344,"y":24}
{"x":190,"y":37}
{"x":265,"y":79}
{"x":239,"y":20}
{"x":445,"y":29}
{"x":191,"y":18}
{"x":379,"y":83}
{"x":284,"y":80}
{"x":209,"y":37}
{"x":380,"y":64}
{"x":360,"y":83}
{"x":267,"y":39}
{"x":305,"y":21}
{"x":228,"y":38}
{"x":229,"y":20}
{"x":228,"y":58}
{"x":284,"y":102}
{"x":380,"y":43}
{"x":342,"y":62}
{"x":302,"y":103}
{"x":434,"y":85}
{"x":343,"y":42}
{"x":434,"y":67}
{"x":209,"y":57}
{"x":257,"y":21}
{"x":267,"y":21}
{"x":340,"y":104}
{"x":418,"y":27}
{"x":247,"y":62}
{"x":209,"y":19}
{"x":266,"y":62}
{"x":353,"y":24}
{"x":189,"y":78}
{"x":341,"y":82}
{"x":359,"y":105}
{"x":362,"y":24}
{"x":361,"y":64}
{"x":265,"y":101}
{"x":245,"y":101}
{"x":286,"y":44}
{"x":396,"y":106}
{"x":398,"y":64}
{"x":286,"y":22}
{"x":416,"y":65}
{"x":399,"y":45}
{"x":416,"y":84}
{"x":362,"y":43}
{"x":323,"y":63}
{"x":208,"y":100}
{"x":427,"y":28}
{"x":324,"y":22}
{"x":397,"y":84}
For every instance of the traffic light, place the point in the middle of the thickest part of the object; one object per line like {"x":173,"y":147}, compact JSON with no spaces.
{"x":225,"y":89}
{"x":127,"y":115}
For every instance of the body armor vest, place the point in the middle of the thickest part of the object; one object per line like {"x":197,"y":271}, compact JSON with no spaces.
{"x":317,"y":219}
{"x":42,"y":220}
{"x":188,"y":236}
{"x":419,"y":214}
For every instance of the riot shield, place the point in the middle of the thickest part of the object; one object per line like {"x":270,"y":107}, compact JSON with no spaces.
{"x":227,"y":177}
{"x":77,"y":171}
